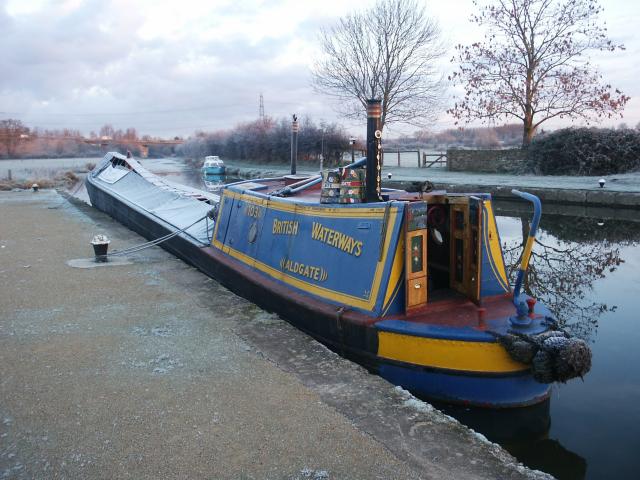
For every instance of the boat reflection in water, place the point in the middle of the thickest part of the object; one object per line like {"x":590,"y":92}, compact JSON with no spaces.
{"x":524,"y":433}
{"x":213,"y":183}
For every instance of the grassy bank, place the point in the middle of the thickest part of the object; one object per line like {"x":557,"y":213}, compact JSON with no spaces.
{"x":60,"y":180}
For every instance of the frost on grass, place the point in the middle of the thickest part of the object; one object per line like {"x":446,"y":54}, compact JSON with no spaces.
{"x":163,"y":331}
{"x":266,"y":318}
{"x":310,"y":473}
{"x":163,"y":364}
{"x":160,"y":365}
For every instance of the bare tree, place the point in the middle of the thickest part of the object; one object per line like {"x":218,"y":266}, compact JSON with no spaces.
{"x":388,"y":52}
{"x":533,"y":64}
{"x":12,"y":132}
{"x":107,"y":131}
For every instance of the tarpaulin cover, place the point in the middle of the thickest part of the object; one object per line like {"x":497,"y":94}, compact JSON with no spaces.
{"x":160,"y":201}
{"x":112,"y":175}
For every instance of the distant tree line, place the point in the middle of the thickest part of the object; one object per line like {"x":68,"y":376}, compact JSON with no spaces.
{"x":269,"y":141}
{"x":20,"y":141}
{"x":505,"y":136}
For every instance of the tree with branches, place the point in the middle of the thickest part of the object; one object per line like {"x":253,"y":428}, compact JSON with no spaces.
{"x":12,"y":132}
{"x":533,"y":64}
{"x":388,"y":52}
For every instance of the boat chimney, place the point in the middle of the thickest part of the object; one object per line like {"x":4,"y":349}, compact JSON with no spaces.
{"x":374,"y":150}
{"x":294,"y":144}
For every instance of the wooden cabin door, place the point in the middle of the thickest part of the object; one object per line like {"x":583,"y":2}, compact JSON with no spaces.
{"x":416,"y":256}
{"x":465,"y":227}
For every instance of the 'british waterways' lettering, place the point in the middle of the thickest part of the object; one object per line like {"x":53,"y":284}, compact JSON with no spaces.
{"x":336,"y":239}
{"x":284,"y":227}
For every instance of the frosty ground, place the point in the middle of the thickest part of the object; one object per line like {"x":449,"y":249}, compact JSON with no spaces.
{"x":149,"y":369}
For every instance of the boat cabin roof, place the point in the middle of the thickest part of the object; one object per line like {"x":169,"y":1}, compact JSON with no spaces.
{"x":288,"y":187}
{"x":213,"y":160}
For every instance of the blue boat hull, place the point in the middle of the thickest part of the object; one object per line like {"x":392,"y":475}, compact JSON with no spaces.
{"x":213,"y":170}
{"x":517,"y":390}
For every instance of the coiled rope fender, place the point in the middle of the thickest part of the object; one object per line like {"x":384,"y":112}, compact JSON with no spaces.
{"x":554,"y":356}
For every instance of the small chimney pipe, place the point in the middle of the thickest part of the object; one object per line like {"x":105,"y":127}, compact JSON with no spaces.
{"x":294,"y":144}
{"x":374,"y":150}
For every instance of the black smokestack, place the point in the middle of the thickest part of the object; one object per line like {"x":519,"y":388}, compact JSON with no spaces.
{"x":294,"y":144}
{"x":374,"y":151}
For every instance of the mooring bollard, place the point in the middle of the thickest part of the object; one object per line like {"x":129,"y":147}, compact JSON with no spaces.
{"x":100,"y":245}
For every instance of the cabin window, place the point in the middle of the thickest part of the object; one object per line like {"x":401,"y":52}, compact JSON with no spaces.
{"x":416,"y":254}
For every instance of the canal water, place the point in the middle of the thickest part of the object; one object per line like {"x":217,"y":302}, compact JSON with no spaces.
{"x":586,"y":268}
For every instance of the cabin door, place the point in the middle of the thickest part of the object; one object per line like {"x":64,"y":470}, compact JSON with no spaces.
{"x":465,"y":230}
{"x":416,"y":256}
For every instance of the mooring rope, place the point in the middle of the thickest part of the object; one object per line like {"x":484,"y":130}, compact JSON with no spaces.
{"x":157,"y":241}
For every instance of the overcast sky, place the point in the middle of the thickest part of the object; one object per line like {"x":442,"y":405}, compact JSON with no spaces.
{"x":172,"y":67}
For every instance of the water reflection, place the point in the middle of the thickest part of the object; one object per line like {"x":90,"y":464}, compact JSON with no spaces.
{"x":571,"y":253}
{"x":214,"y":183}
{"x":524,"y":432}
{"x":505,"y":426}
{"x":548,"y":455}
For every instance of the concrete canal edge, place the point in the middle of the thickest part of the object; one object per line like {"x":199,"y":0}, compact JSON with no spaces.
{"x":149,"y":369}
{"x":567,"y":196}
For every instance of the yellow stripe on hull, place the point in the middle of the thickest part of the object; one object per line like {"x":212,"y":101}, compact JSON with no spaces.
{"x":492,"y":244}
{"x":449,"y":354}
{"x":396,"y":273}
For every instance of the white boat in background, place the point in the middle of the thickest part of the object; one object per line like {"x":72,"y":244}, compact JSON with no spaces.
{"x":213,"y":165}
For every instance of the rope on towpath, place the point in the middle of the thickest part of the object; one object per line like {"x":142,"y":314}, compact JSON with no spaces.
{"x":157,"y":241}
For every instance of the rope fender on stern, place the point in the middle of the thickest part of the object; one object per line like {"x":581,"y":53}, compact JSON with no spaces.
{"x":554,"y":355}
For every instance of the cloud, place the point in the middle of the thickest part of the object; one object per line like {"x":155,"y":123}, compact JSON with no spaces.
{"x":169,"y":68}
{"x":158,"y":66}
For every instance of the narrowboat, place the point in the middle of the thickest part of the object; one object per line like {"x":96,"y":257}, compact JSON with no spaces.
{"x":411,"y":285}
{"x":213,"y":166}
